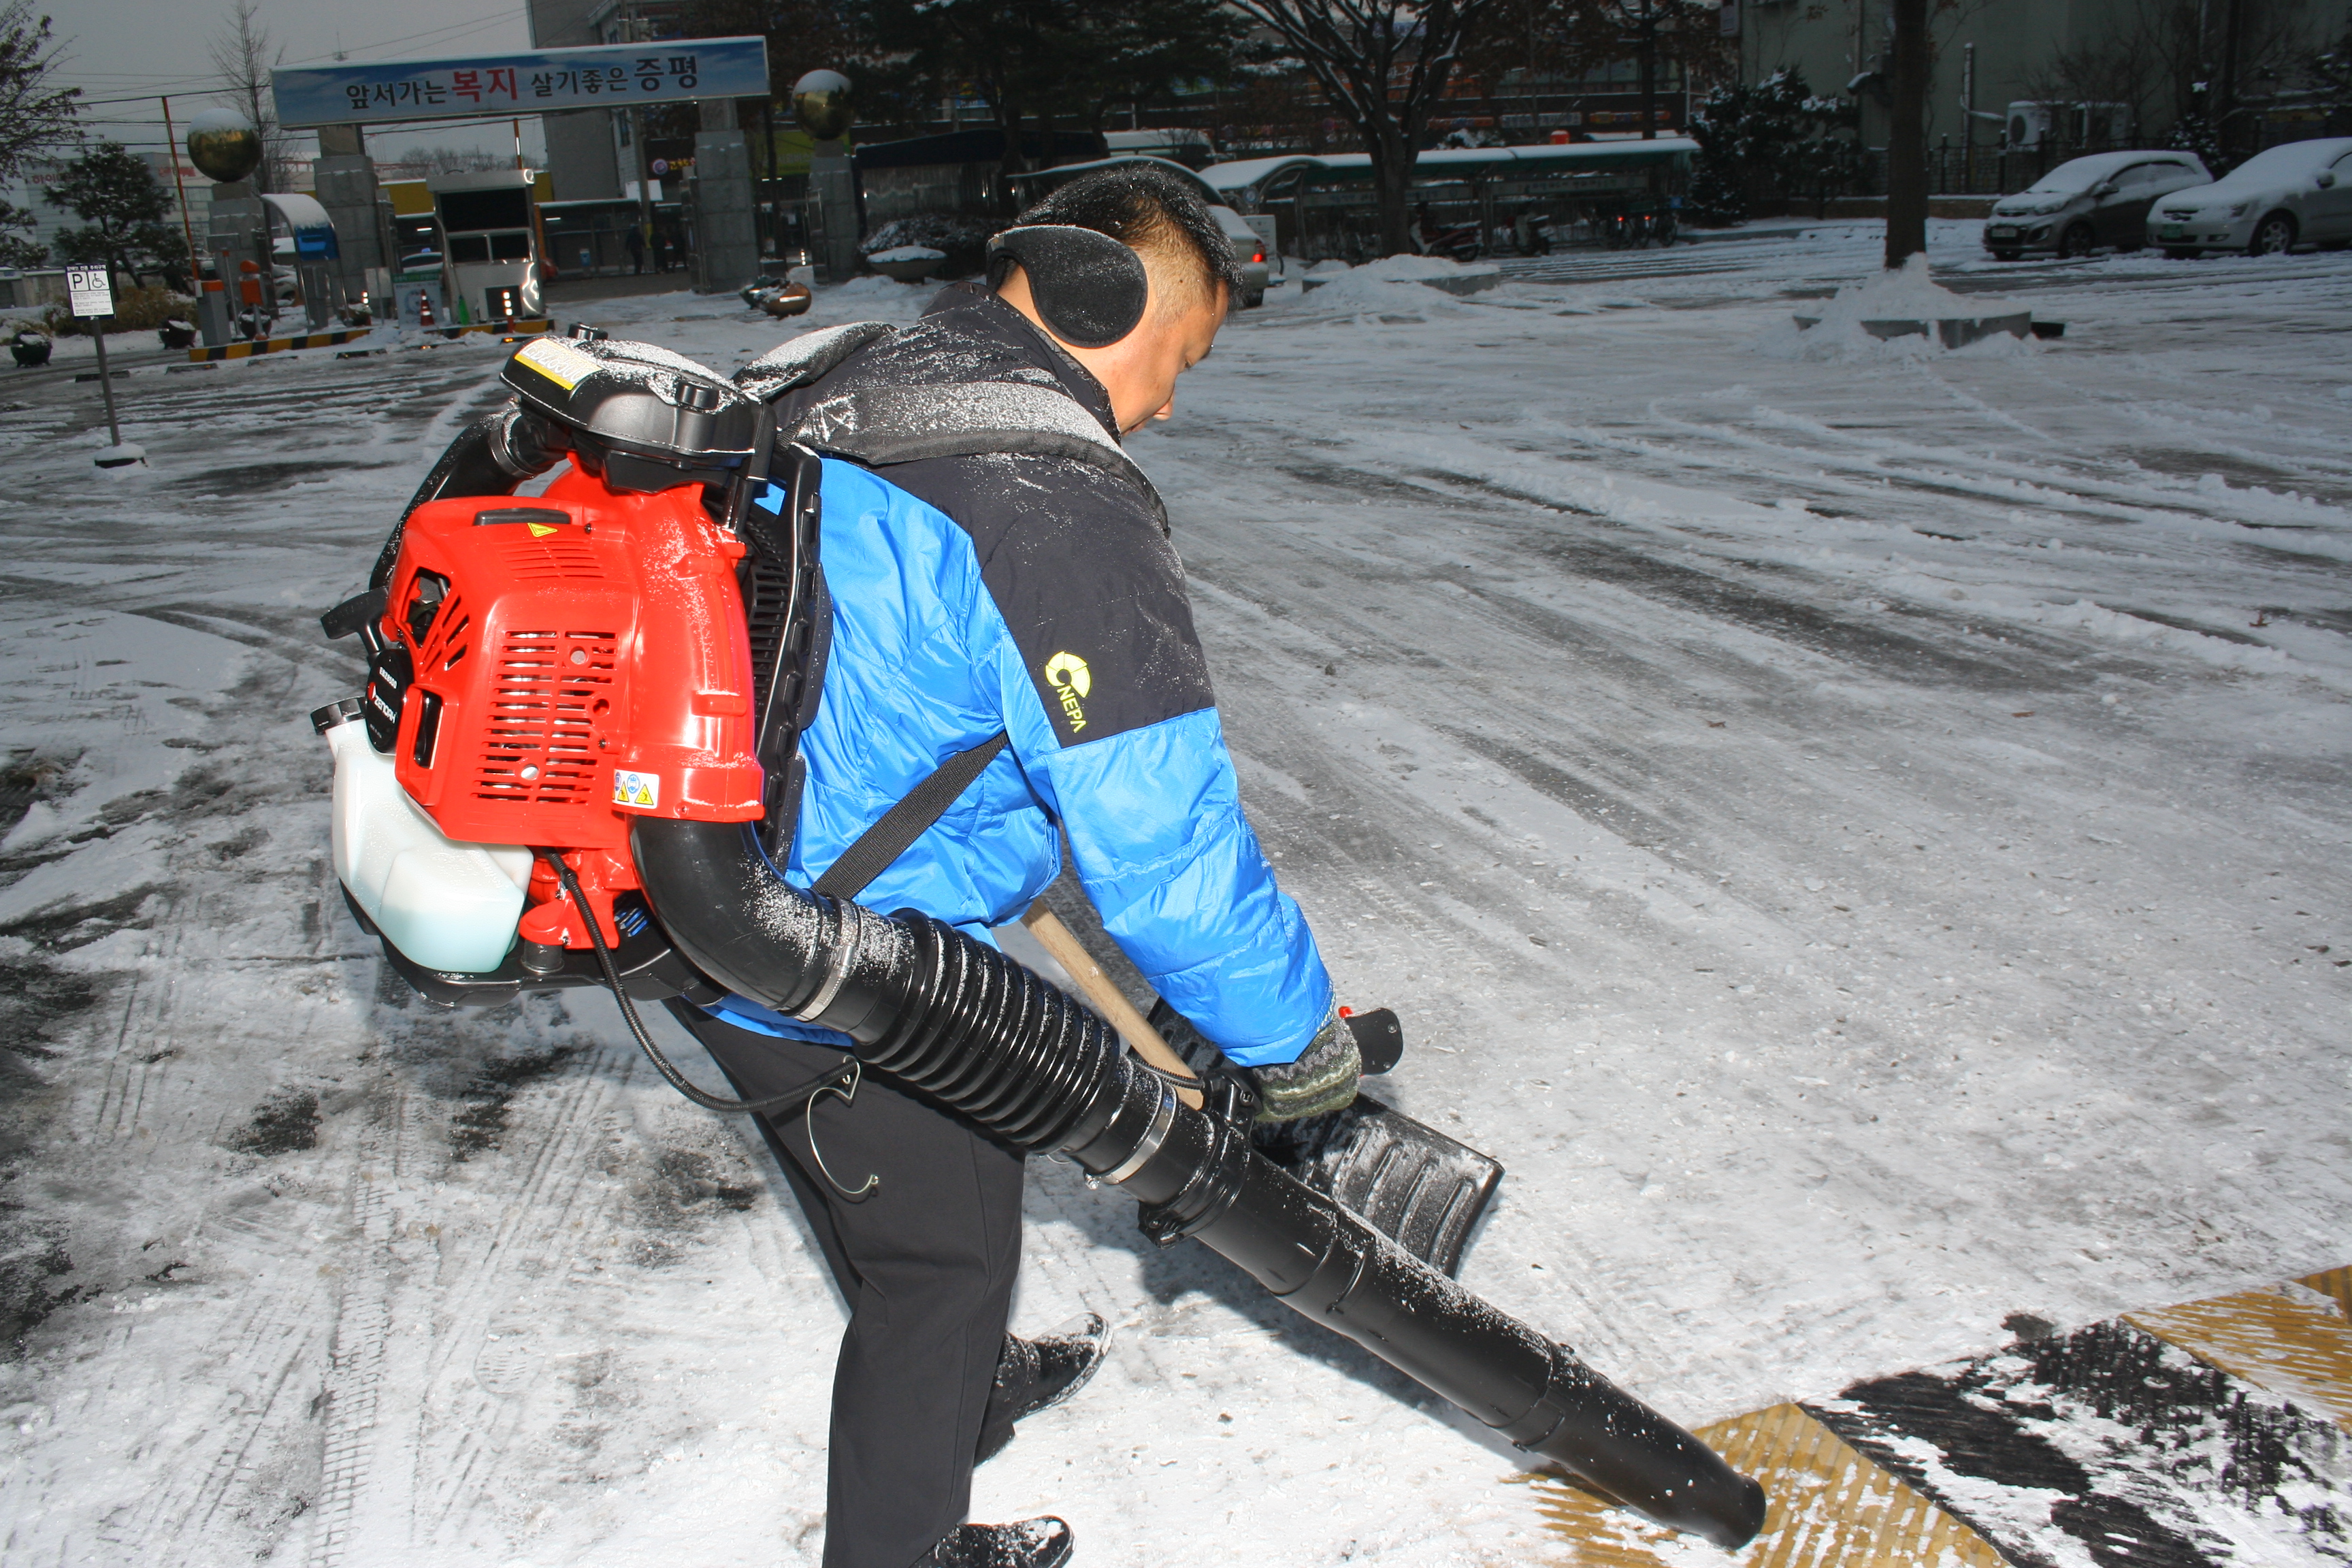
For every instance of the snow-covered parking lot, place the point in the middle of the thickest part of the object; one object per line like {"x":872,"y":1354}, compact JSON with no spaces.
{"x":1865,"y":838}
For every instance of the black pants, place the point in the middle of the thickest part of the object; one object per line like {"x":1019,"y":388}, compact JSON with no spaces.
{"x":925,"y":1261}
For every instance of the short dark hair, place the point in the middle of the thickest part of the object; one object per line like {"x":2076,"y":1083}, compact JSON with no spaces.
{"x":1152,"y":211}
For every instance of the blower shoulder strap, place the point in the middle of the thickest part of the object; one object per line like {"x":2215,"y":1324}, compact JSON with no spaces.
{"x":801,"y":360}
{"x":879,"y":846}
{"x":880,"y":426}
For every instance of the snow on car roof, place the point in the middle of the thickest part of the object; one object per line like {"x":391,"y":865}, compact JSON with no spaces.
{"x":2287,"y":158}
{"x":2076,"y":173}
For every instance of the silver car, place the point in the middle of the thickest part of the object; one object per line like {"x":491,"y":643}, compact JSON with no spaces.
{"x":2085,"y":203}
{"x":2295,"y":194}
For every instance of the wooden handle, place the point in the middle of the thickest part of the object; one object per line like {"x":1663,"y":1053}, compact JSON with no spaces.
{"x":1133,"y":1027}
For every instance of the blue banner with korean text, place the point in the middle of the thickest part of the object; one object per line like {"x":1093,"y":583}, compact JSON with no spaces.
{"x":614,"y":76}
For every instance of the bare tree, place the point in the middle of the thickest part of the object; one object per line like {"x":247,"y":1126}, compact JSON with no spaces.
{"x":243,"y":51}
{"x":34,"y":114}
{"x":2121,"y":67}
{"x":2327,"y":80}
{"x":1564,"y":40}
{"x":2200,"y":70}
{"x":2144,"y":60}
{"x":1384,"y":63}
{"x":439,"y":158}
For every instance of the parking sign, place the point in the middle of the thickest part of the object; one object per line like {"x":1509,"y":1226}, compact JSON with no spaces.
{"x":91,"y":291}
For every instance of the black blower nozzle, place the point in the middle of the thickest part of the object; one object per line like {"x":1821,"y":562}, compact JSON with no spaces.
{"x":967,"y":1025}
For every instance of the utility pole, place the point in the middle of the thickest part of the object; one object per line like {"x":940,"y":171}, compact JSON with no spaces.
{"x":187,"y":226}
{"x":637,"y":30}
{"x":1906,"y":136}
{"x":1642,"y":17}
{"x":1968,"y":118}
{"x":1648,"y":70}
{"x":2231,"y":19}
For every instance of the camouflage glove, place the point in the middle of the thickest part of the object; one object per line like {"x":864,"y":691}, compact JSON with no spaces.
{"x":1323,"y":1078}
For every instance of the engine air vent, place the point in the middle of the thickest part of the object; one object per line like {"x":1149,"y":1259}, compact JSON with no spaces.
{"x":547,"y":701}
{"x":566,"y":558}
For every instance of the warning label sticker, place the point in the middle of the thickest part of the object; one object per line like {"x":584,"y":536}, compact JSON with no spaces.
{"x":558,"y":361}
{"x":640,"y":792}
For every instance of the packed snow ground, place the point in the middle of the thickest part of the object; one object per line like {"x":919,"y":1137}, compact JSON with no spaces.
{"x":1864,"y":841}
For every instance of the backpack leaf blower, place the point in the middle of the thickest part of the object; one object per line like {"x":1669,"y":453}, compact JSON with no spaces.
{"x":574,"y":764}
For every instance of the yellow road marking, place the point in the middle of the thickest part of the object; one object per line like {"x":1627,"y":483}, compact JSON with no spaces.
{"x":1829,"y":1508}
{"x":2277,"y":1338}
{"x":2336,"y":1282}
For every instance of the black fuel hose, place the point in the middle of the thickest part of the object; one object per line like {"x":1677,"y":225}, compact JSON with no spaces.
{"x":970,"y":1028}
{"x":490,"y":457}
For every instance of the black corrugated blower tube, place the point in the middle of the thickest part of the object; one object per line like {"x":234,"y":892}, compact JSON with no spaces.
{"x":970,"y":1028}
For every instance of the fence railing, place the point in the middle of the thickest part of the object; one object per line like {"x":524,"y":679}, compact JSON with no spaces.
{"x":2001,"y":171}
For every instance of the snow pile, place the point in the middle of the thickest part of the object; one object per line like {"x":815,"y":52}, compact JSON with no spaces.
{"x":1393,"y":285}
{"x":1905,"y":295}
{"x":2121,"y":626}
{"x":907,"y":253}
{"x":1416,"y":268}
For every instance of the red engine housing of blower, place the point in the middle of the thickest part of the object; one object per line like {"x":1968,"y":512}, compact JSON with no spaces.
{"x":581,"y":657}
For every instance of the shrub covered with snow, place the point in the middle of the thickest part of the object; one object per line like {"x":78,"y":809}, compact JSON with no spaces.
{"x":960,"y":238}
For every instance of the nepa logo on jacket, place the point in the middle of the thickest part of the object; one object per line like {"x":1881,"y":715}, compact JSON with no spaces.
{"x":1067,"y":674}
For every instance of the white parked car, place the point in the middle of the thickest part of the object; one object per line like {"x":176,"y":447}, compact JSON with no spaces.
{"x":2296,"y":193}
{"x":2101,"y":199}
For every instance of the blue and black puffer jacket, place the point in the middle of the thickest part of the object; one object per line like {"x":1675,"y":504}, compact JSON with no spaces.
{"x":996,"y":563}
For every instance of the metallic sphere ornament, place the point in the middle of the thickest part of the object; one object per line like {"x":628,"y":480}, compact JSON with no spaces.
{"x":224,"y":146}
{"x":821,"y":103}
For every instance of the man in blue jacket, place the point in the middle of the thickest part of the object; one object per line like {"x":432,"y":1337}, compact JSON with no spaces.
{"x":1001,"y":577}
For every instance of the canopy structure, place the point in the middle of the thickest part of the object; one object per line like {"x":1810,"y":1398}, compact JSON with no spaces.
{"x":1249,"y":177}
{"x":981,"y":144}
{"x":313,"y":232}
{"x":1323,"y":205}
{"x":1061,"y":171}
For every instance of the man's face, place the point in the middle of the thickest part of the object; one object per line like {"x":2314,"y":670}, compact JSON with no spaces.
{"x":1139,"y":370}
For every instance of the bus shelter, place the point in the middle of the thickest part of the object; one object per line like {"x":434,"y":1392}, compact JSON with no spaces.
{"x":1325,"y":206}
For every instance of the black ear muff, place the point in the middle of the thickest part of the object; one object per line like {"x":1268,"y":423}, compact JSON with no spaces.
{"x":1091,"y":288}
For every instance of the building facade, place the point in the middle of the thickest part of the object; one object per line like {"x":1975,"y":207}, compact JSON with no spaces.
{"x":582,"y":151}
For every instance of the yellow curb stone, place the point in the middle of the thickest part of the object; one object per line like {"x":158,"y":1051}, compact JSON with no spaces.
{"x":1828,"y":1507}
{"x":2277,"y":1338}
{"x":2336,"y":1282}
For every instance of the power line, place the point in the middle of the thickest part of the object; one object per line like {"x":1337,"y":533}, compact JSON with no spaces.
{"x":459,"y":29}
{"x":218,"y":83}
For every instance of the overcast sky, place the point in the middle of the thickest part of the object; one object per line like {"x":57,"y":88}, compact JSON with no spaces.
{"x":134,"y":49}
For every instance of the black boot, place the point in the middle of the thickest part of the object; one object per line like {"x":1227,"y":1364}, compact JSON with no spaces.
{"x":1031,"y":1543}
{"x":1033,"y":1373}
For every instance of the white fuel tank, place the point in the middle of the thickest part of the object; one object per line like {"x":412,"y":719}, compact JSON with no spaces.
{"x":443,"y":904}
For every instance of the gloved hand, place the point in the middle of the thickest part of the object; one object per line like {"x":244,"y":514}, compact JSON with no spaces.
{"x":1324,"y":1078}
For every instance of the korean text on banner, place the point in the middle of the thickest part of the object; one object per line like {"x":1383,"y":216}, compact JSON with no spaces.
{"x":618,"y":76}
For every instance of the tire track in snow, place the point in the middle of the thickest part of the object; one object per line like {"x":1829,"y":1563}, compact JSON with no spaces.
{"x":363,"y":1322}
{"x":560,"y":1196}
